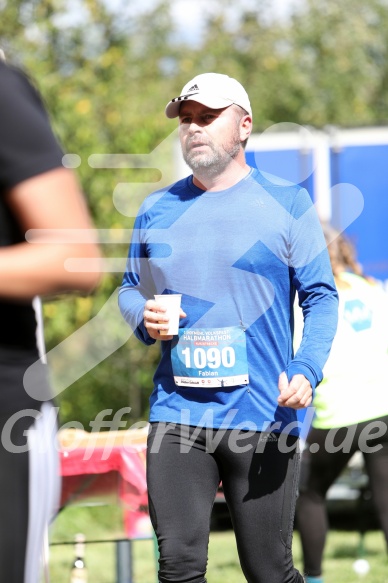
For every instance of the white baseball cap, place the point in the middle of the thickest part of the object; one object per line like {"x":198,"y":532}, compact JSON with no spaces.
{"x":213,"y":90}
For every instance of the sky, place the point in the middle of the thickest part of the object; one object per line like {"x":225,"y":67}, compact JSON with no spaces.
{"x":194,"y":11}
{"x":189,"y":15}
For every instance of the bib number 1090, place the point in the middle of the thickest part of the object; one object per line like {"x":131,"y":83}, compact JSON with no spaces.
{"x":212,"y":357}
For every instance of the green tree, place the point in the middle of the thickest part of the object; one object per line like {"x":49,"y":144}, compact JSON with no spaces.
{"x":340,"y":48}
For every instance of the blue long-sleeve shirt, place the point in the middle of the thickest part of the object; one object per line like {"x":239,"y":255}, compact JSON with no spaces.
{"x":237,"y":256}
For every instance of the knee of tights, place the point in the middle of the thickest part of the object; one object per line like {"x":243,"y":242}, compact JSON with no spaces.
{"x":180,"y":572}
{"x":182,"y":562}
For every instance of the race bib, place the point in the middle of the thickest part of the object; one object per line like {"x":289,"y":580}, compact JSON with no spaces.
{"x":211,"y":357}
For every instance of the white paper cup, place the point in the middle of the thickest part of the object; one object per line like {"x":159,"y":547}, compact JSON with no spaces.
{"x":172,"y":303}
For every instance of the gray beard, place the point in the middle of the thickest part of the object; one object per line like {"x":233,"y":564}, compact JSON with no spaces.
{"x":212,"y":164}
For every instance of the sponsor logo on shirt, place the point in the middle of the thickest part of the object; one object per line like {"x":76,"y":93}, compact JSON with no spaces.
{"x":358,"y":315}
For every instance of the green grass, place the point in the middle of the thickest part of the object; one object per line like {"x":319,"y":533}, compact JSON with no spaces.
{"x":104,"y":523}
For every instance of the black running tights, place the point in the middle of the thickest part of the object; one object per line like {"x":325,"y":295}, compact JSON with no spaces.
{"x":184,"y":468}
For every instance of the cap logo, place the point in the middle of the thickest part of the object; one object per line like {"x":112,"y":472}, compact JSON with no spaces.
{"x":194,"y":88}
{"x":181,"y":97}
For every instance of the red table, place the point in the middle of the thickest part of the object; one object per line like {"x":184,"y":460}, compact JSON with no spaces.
{"x":109,"y":467}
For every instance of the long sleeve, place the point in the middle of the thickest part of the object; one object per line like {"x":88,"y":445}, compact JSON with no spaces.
{"x":137,"y":286}
{"x":311,"y":275}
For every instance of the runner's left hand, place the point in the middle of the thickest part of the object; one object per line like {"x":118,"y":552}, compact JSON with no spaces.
{"x":296,"y":394}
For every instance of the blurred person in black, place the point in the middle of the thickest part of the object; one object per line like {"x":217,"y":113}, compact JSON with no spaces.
{"x":36,"y":193}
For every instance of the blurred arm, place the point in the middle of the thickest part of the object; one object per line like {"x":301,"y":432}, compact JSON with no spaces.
{"x":51,"y":200}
